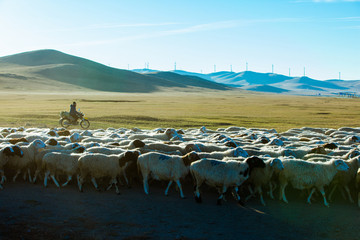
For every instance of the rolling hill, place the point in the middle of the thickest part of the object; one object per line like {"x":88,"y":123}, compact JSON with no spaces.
{"x":54,"y":70}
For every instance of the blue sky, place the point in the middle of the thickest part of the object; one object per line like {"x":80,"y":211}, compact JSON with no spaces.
{"x":322,"y":36}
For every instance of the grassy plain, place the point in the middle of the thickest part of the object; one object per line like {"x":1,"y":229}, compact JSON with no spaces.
{"x":180,"y":110}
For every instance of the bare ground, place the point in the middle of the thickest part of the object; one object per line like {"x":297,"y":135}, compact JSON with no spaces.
{"x":30,"y":211}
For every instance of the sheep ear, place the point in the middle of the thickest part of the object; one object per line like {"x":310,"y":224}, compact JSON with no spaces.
{"x":272,"y":162}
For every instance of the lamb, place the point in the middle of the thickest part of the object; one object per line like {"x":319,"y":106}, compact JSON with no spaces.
{"x":99,"y":165}
{"x":235,"y":152}
{"x":60,"y":163}
{"x":222,"y":175}
{"x":262,"y":176}
{"x":165,"y":167}
{"x":19,"y":163}
{"x":5,"y":153}
{"x":343,"y":179}
{"x":309,"y":175}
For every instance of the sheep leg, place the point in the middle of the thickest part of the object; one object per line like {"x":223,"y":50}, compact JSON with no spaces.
{"x":271,"y":190}
{"x":110,"y":185}
{"x":349,"y":194}
{"x":116,"y":187}
{"x":80,"y":182}
{"x":332,"y":192}
{"x":146,"y":184}
{"x":251,"y":193}
{"x":181,"y":191}
{"x":261,"y":196}
{"x":236,"y":194}
{"x":54,"y":180}
{"x":30,"y":179}
{"x":282,"y":192}
{"x":68,"y":180}
{"x":197,"y":190}
{"x":114,"y":181}
{"x":167,"y":189}
{"x":126,"y":180}
{"x":3,"y":178}
{"x":46,"y":178}
{"x":224,"y":188}
{"x":309,"y":198}
{"x":37,"y":172}
{"x":94,"y":183}
{"x":17,"y":174}
{"x":321,"y":189}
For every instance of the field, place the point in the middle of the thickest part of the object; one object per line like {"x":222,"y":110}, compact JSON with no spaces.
{"x":180,"y":110}
{"x":30,"y":211}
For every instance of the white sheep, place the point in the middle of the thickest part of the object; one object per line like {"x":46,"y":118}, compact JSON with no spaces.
{"x":56,"y":163}
{"x":5,"y":154}
{"x":205,"y":147}
{"x":343,"y":179}
{"x":165,"y":167}
{"x":222,"y":175}
{"x":262,"y":176}
{"x":309,"y":175}
{"x":164,"y":148}
{"x":105,"y":150}
{"x":38,"y":160}
{"x":27,"y":160}
{"x":99,"y":165}
{"x":234,"y":152}
{"x":166,"y":136}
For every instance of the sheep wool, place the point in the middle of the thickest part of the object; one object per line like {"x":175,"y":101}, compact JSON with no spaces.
{"x":309,"y":175}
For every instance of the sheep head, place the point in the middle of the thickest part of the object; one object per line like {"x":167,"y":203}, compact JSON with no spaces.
{"x":80,"y":149}
{"x":8,"y":151}
{"x":190,"y":157}
{"x":128,"y":156}
{"x":17,"y":151}
{"x":231,"y":144}
{"x":277,"y":164}
{"x":39,"y":144}
{"x":192,"y":147}
{"x":254,"y":162}
{"x":341,"y":165}
{"x":239,"y":152}
{"x":319,"y":150}
{"x":330,"y":145}
{"x":138,"y":143}
{"x":52,"y":142}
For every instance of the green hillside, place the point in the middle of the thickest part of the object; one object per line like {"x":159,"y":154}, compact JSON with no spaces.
{"x":51,"y":67}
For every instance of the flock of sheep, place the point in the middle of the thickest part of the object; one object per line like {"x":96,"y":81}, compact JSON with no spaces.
{"x":245,"y":161}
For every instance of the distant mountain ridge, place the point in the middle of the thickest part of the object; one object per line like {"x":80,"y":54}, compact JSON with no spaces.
{"x":277,"y":83}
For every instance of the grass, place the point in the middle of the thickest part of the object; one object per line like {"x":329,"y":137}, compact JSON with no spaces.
{"x":181,"y":110}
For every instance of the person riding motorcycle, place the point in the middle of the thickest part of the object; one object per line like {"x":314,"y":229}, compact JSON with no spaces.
{"x":73,"y":113}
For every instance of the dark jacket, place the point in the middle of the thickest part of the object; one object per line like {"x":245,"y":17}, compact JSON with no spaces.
{"x":73,"y":111}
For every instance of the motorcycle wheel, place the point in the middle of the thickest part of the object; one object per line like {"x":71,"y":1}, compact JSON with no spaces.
{"x":85,"y":124}
{"x":64,"y":122}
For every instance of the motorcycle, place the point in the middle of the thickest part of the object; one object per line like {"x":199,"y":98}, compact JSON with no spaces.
{"x":66,"y":120}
